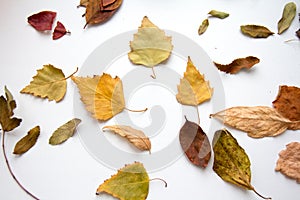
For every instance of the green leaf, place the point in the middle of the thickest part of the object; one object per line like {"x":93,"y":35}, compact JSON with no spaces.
{"x":231,"y":162}
{"x":64,"y":132}
{"x":130,"y":183}
{"x":27,"y":141}
{"x":204,"y":25}
{"x":256,"y":31}
{"x":218,"y":14}
{"x":289,"y":13}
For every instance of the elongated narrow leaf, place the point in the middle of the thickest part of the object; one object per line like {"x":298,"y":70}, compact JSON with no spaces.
{"x":27,"y":141}
{"x":256,"y":31}
{"x":238,"y":64}
{"x":289,"y":13}
{"x":218,"y":14}
{"x":203,"y":26}
{"x":64,"y":132}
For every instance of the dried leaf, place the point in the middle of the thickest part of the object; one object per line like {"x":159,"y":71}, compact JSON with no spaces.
{"x":42,"y":21}
{"x":136,"y":137}
{"x":287,"y":102}
{"x":130,"y":183}
{"x":49,"y":82}
{"x":289,"y":13}
{"x":238,"y":64}
{"x":289,"y":161}
{"x":256,"y":31}
{"x":115,"y":5}
{"x":195,"y":143}
{"x":258,"y":121}
{"x":193,"y":89}
{"x":298,"y":33}
{"x":150,"y":45}
{"x":102,"y":95}
{"x":83,"y":3}
{"x":107,"y":2}
{"x":27,"y":141}
{"x":203,"y":26}
{"x":59,"y":31}
{"x":218,"y":14}
{"x":64,"y":132}
{"x":231,"y":162}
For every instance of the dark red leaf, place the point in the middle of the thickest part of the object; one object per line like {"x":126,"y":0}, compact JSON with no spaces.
{"x":42,"y":21}
{"x":195,"y":143}
{"x":59,"y":31}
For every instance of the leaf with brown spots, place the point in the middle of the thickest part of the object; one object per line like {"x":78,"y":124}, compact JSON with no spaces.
{"x":238,"y":64}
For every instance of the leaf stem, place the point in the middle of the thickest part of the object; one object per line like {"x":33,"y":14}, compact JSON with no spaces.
{"x":198,"y":114}
{"x":11,"y":172}
{"x":73,"y":72}
{"x":144,"y":110}
{"x":261,"y":195}
{"x":153,"y":73}
{"x":159,"y":179}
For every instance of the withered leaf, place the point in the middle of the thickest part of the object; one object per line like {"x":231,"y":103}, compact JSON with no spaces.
{"x":7,"y":105}
{"x":218,"y":14}
{"x":231,"y":162}
{"x":195,"y":143}
{"x":203,"y":26}
{"x":288,"y":162}
{"x":115,"y":5}
{"x":59,"y":31}
{"x":238,"y":64}
{"x":257,"y":121}
{"x":28,"y":141}
{"x":130,"y":183}
{"x":256,"y":31}
{"x":107,"y":2}
{"x":193,"y":88}
{"x":289,"y":13}
{"x":42,"y":21}
{"x":64,"y":132}
{"x":298,"y":33}
{"x":136,"y":137}
{"x":287,"y":102}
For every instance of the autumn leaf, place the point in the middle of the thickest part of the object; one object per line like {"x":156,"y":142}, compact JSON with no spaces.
{"x":59,"y":31}
{"x":107,"y":2}
{"x":193,"y":88}
{"x":7,"y":105}
{"x":287,"y":102}
{"x":64,"y":132}
{"x":288,"y":162}
{"x":150,"y":45}
{"x":231,"y":162}
{"x":289,"y":13}
{"x":42,"y":21}
{"x":195,"y":143}
{"x":113,"y":6}
{"x":238,"y":64}
{"x":218,"y":14}
{"x":257,"y":121}
{"x":256,"y":31}
{"x":27,"y":141}
{"x":203,"y":26}
{"x":136,"y":137}
{"x":130,"y":183}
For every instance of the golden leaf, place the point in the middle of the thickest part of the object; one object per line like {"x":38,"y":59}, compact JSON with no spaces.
{"x":193,"y":89}
{"x":256,"y":31}
{"x":203,"y":26}
{"x":218,"y":14}
{"x":28,"y":141}
{"x":136,"y":137}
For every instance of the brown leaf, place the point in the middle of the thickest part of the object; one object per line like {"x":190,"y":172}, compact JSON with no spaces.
{"x":203,"y":26}
{"x":107,"y":2}
{"x":298,"y":33}
{"x":28,"y":141}
{"x":289,"y":161}
{"x":238,"y":64}
{"x":289,"y":13}
{"x":195,"y":143}
{"x":59,"y":31}
{"x":256,"y":31}
{"x":115,"y":5}
{"x":258,"y":121}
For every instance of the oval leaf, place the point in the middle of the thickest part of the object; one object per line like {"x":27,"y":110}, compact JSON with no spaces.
{"x":218,"y":14}
{"x":27,"y":141}
{"x":289,"y":13}
{"x":203,"y":26}
{"x":42,"y":21}
{"x":238,"y":64}
{"x":256,"y":31}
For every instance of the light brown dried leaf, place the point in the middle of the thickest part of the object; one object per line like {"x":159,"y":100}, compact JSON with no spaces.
{"x":238,"y":64}
{"x":256,"y":31}
{"x":289,"y":161}
{"x":203,"y":26}
{"x":28,"y":141}
{"x":289,"y":13}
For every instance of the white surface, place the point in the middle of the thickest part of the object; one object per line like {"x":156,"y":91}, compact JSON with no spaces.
{"x":68,"y":171}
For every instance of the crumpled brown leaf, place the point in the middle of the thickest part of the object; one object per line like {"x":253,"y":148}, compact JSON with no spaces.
{"x":288,"y":162}
{"x":238,"y":64}
{"x":28,"y":141}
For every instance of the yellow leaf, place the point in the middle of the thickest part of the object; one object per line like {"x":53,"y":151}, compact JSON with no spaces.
{"x":193,"y":89}
{"x":28,"y":141}
{"x":150,"y":45}
{"x":102,"y":95}
{"x":50,"y":82}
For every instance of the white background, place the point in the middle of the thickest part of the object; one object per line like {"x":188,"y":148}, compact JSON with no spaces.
{"x":68,"y":171}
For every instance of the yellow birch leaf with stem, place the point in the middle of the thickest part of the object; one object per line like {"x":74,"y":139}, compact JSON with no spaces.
{"x":150,"y":46}
{"x":102,"y":95}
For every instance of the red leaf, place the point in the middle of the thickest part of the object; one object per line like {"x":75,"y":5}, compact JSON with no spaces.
{"x":59,"y":31}
{"x":42,"y":21}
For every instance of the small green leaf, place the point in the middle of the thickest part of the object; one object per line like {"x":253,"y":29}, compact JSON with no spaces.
{"x":289,"y":13}
{"x":27,"y":141}
{"x":203,"y":26}
{"x":218,"y":14}
{"x":64,"y":132}
{"x":256,"y":31}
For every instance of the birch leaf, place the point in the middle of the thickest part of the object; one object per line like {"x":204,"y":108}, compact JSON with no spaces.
{"x":130,"y":183}
{"x":27,"y":141}
{"x":150,"y":45}
{"x":256,"y":31}
{"x":238,"y":64}
{"x":64,"y":132}
{"x":193,"y":88}
{"x":203,"y":26}
{"x":289,"y":13}
{"x":289,"y":161}
{"x":258,"y":121}
{"x":136,"y":137}
{"x":218,"y":14}
{"x":231,"y":162}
